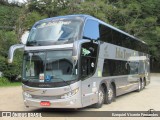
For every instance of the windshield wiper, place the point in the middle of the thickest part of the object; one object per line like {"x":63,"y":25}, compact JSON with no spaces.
{"x":32,"y":43}
{"x":62,"y":40}
{"x":63,"y":81}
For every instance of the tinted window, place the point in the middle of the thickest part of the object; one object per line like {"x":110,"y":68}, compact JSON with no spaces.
{"x":91,"y":30}
{"x":88,"y":59}
{"x":105,"y":33}
{"x":118,"y":67}
{"x":115,"y":37}
{"x":125,"y":41}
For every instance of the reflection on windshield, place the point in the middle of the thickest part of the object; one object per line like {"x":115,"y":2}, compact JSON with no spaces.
{"x":56,"y":31}
{"x":52,"y":66}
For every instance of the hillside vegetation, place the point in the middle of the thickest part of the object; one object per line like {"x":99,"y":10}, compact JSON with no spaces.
{"x":8,"y":37}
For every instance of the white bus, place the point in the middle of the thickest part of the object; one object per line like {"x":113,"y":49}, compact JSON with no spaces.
{"x":75,"y":61}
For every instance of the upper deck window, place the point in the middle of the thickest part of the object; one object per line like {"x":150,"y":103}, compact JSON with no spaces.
{"x":59,"y":31}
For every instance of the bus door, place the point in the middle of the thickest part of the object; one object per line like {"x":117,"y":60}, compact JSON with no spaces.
{"x":88,"y":63}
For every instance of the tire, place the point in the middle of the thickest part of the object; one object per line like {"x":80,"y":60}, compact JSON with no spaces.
{"x":110,"y":95}
{"x":139,"y":86}
{"x":143,"y":84}
{"x":101,"y":98}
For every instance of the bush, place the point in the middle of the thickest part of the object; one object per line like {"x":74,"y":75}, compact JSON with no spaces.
{"x":4,"y":81}
{"x":10,"y":71}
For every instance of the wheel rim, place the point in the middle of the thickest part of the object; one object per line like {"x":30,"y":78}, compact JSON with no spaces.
{"x":101,"y":96}
{"x":142,"y":84}
{"x":139,"y":85}
{"x":110,"y":94}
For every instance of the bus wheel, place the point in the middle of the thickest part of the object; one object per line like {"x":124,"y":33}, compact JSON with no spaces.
{"x":110,"y":97}
{"x":143,"y":84}
{"x":139,"y":86}
{"x":101,"y":97}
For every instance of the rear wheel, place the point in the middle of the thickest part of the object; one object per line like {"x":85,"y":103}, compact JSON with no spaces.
{"x":110,"y":95}
{"x":143,"y":84}
{"x":101,"y":97}
{"x":144,"y":80}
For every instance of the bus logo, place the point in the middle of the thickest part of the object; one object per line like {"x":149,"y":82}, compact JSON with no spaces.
{"x":44,"y":91}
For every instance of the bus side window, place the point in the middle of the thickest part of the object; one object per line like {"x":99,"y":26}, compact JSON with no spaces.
{"x":115,"y":67}
{"x":105,"y":33}
{"x":117,"y":38}
{"x":106,"y":71}
{"x":91,"y":30}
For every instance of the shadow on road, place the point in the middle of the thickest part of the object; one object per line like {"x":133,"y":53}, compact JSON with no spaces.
{"x":59,"y":112}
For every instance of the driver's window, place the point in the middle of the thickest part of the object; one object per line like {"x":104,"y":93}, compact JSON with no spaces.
{"x":88,"y":58}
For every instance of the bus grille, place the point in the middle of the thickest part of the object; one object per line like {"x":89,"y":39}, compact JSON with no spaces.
{"x":45,"y":97}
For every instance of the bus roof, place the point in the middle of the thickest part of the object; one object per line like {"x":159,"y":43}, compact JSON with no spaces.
{"x":85,"y":16}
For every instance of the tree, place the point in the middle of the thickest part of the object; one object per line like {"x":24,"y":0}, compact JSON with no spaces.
{"x":10,"y":71}
{"x":8,"y":17}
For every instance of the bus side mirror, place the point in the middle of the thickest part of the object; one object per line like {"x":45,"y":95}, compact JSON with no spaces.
{"x":12,"y":50}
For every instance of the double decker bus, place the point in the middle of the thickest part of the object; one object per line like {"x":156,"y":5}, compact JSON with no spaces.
{"x":75,"y":61}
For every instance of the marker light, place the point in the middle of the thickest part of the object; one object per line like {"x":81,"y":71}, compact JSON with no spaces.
{"x":27,"y":95}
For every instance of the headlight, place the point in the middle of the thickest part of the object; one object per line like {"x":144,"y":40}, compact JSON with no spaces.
{"x":69,"y":94}
{"x":27,"y":95}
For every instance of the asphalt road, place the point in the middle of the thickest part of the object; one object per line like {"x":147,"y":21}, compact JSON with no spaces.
{"x":11,"y":100}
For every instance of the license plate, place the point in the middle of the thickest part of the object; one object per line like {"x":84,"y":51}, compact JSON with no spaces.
{"x":45,"y":103}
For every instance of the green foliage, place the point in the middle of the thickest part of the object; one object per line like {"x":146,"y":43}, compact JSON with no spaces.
{"x":4,"y":81}
{"x":8,"y":15}
{"x":47,"y":7}
{"x":10,"y":71}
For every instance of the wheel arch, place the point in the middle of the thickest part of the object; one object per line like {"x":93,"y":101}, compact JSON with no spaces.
{"x":114,"y":86}
{"x":105,"y":84}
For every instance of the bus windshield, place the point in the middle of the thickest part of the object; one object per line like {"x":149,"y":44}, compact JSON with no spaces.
{"x":50,"y":66}
{"x":61,"y":31}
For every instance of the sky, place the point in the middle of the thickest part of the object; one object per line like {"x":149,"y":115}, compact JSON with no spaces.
{"x":21,"y":1}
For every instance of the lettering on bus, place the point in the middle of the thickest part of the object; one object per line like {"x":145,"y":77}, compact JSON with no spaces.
{"x":106,"y":51}
{"x":123,"y":54}
{"x":53,"y":23}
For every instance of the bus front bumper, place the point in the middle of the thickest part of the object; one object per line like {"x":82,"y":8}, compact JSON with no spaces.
{"x":71,"y":102}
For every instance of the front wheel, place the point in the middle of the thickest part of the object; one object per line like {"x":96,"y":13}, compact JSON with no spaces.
{"x":139,"y":86}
